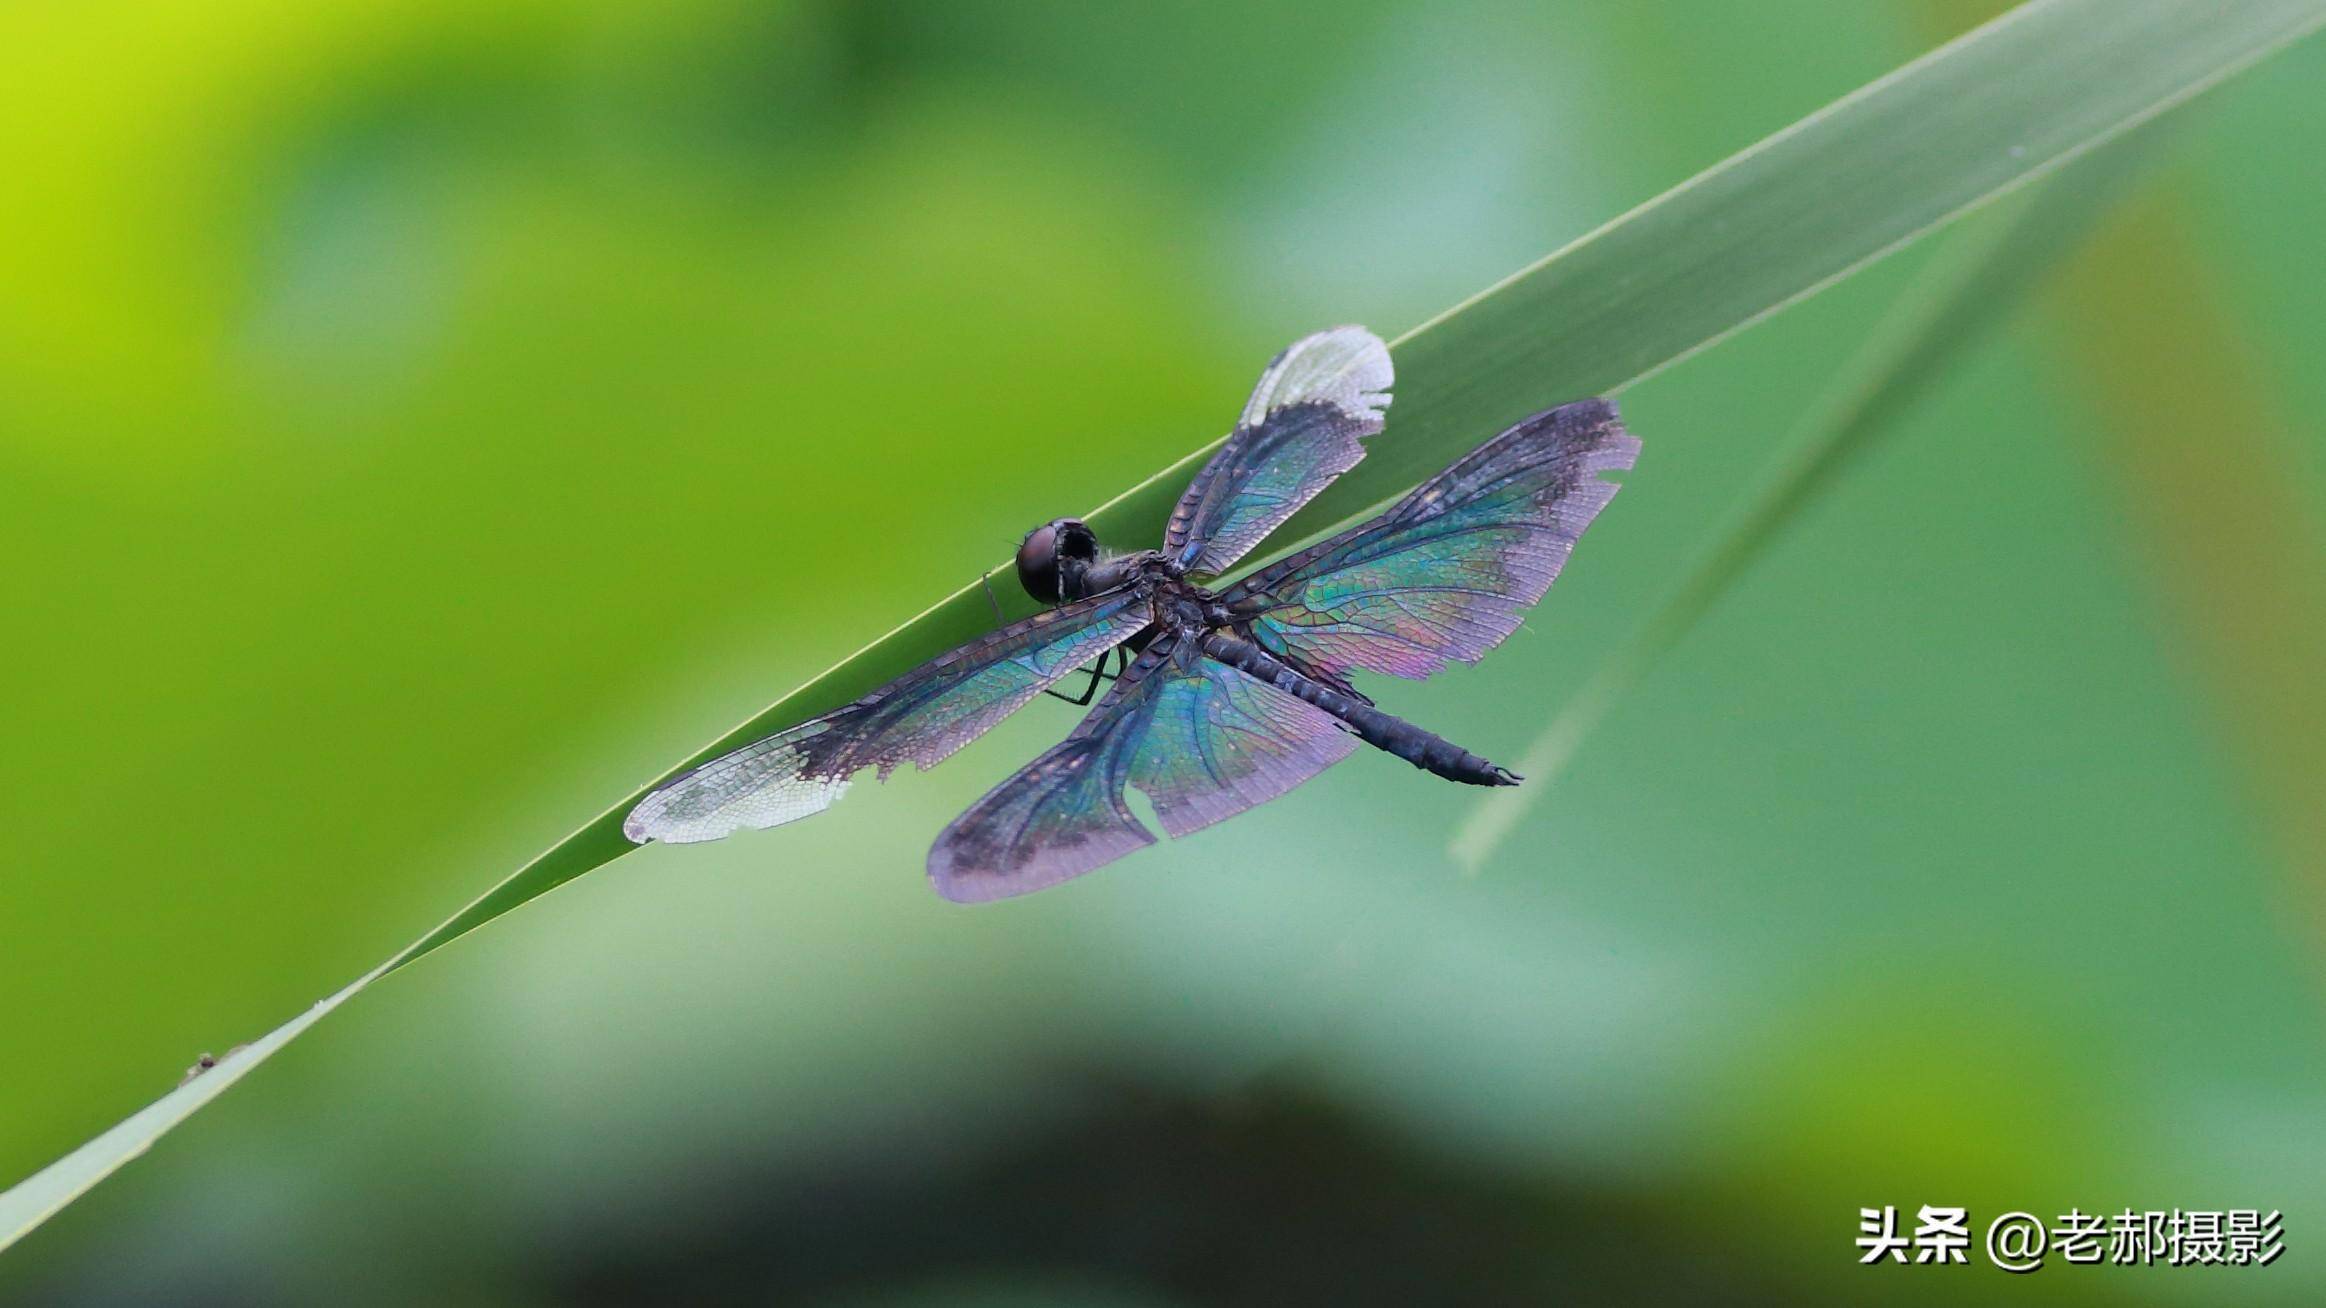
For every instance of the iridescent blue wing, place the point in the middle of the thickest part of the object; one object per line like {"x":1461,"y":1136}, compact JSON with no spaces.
{"x":921,"y":718}
{"x":1300,"y":429}
{"x":1200,"y":740}
{"x":1449,"y":571}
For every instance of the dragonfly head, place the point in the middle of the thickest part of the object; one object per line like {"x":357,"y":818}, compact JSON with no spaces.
{"x":1053,"y":558}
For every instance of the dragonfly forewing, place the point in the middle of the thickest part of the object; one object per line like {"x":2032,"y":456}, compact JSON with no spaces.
{"x":922,"y":718}
{"x":1303,"y":426}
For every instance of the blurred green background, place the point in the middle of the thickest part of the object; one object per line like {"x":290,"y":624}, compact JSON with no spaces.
{"x":421,"y":423}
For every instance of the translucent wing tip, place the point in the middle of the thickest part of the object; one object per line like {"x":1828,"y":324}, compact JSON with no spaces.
{"x":763,"y":784}
{"x":674,"y":817}
{"x":1363,"y":359}
{"x":1346,"y":366}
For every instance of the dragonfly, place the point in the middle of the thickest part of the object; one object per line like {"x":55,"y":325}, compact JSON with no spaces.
{"x":1225,"y":697}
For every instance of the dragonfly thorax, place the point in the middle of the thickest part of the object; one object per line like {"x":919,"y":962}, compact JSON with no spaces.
{"x":1182,"y":606}
{"x":1147,"y":569}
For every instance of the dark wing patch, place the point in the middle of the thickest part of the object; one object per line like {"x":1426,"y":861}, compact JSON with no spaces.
{"x":1302,"y":427}
{"x":1200,"y":740}
{"x":921,"y":718}
{"x":1449,"y":571}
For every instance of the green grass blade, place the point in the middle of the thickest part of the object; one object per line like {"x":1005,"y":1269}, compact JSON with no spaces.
{"x":1796,"y":212}
{"x":1970,"y":287}
{"x":2213,"y":508}
{"x":40,"y":1196}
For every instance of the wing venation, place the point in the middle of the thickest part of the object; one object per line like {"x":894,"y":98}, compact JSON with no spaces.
{"x":921,"y":718}
{"x":1449,"y":571}
{"x":1303,"y":426}
{"x":1202,"y":741}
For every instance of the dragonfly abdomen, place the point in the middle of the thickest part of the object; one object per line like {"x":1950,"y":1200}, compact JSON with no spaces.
{"x":1425,"y":750}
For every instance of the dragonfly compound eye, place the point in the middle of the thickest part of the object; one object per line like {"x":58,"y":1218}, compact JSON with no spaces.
{"x":1049,"y":552}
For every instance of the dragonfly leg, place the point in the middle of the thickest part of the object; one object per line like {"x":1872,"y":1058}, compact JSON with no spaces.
{"x":1098,"y":673}
{"x":1076,"y":700}
{"x":1089,"y":688}
{"x":991,"y":598}
{"x":1123,"y":664}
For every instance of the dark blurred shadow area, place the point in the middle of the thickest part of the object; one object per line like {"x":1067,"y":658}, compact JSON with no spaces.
{"x":1147,"y":1194}
{"x":1119,"y":1191}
